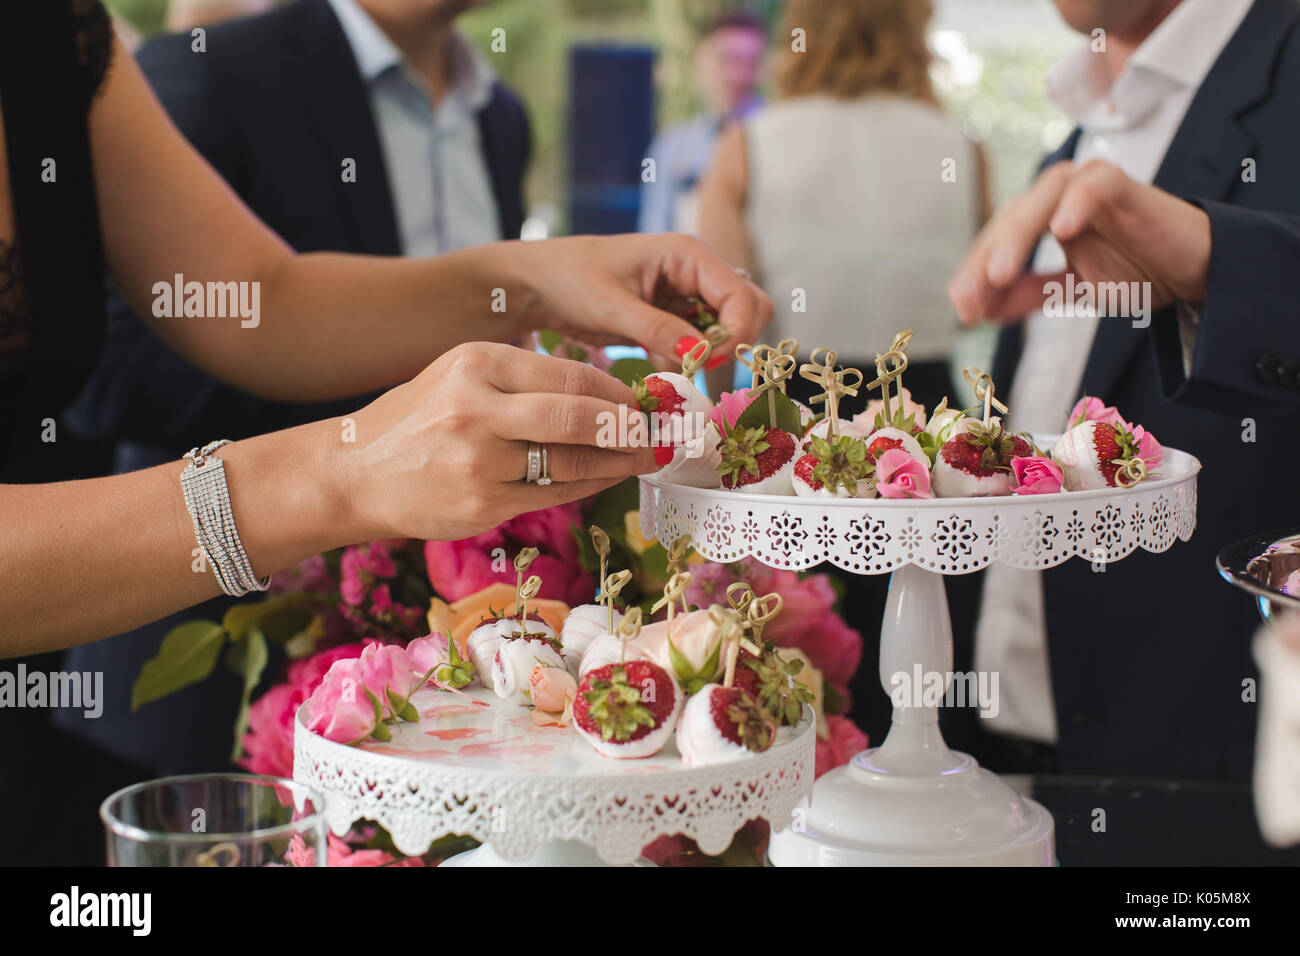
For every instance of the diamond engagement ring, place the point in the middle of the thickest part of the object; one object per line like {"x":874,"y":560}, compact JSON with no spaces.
{"x":539,"y":465}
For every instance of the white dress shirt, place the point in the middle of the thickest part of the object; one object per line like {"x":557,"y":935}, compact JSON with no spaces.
{"x":442,"y":194}
{"x":1131,"y":123}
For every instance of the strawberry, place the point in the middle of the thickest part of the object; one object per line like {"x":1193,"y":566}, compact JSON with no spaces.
{"x":884,"y":439}
{"x":677,"y":411}
{"x":976,"y":460}
{"x":656,"y":394}
{"x":628,"y":709}
{"x":758,"y":460}
{"x":1097,"y":454}
{"x":771,"y":681}
{"x":720,"y":724}
{"x":833,"y":468}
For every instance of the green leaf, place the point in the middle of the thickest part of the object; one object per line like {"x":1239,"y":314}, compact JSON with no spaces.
{"x":628,"y":370}
{"x":381,"y":732}
{"x":186,"y":656}
{"x":240,"y":617}
{"x":681,"y":665}
{"x":248,"y":657}
{"x":549,"y":339}
{"x":757,"y":414}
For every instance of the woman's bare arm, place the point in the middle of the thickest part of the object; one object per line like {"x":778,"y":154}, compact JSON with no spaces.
{"x":334,"y":324}
{"x":723,"y":194}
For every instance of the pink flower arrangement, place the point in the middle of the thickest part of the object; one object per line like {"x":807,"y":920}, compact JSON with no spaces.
{"x":899,"y":475}
{"x":458,"y":569}
{"x":808,"y":619}
{"x":729,"y":408}
{"x":1036,"y":475}
{"x":268,"y":744}
{"x":1148,"y":449}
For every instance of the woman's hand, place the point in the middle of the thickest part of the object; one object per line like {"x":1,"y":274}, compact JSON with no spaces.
{"x":604,"y":290}
{"x":444,"y":455}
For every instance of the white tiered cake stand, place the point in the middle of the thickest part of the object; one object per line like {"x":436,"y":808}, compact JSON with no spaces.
{"x":540,"y":795}
{"x":912,"y":800}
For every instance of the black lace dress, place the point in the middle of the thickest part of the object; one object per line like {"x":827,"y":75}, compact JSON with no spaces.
{"x":53,"y":58}
{"x":54,"y":55}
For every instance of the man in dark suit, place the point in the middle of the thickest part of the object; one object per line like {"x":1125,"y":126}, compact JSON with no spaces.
{"x":1150,"y":666}
{"x":361,"y":126}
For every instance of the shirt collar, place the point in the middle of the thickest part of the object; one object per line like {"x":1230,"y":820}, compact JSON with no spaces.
{"x":376,"y":54}
{"x":1177,"y":55}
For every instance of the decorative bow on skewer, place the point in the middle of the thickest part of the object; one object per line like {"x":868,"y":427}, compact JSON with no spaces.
{"x":609,"y":589}
{"x":835,"y":384}
{"x":982,"y":385}
{"x":696,"y":358}
{"x":677,"y":553}
{"x":887,"y":375}
{"x":776,"y":369}
{"x":674,"y":591}
{"x":628,"y":629}
{"x":522,"y":560}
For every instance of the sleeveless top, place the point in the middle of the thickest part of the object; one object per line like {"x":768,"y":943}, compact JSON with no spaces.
{"x":53,"y":58}
{"x":848,"y":201}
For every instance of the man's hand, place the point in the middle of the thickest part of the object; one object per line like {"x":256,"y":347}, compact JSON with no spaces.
{"x":1111,"y":228}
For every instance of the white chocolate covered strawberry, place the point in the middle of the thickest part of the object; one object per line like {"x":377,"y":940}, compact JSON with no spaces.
{"x":484,"y":641}
{"x":759,"y":460}
{"x":975,"y":461}
{"x":584,"y":624}
{"x":514,"y":662}
{"x":678,"y":411}
{"x":627,"y":710}
{"x":1098,"y":454}
{"x":883,"y":439}
{"x":721,"y":724}
{"x":842,"y":427}
{"x":695,"y":463}
{"x":835,"y":468}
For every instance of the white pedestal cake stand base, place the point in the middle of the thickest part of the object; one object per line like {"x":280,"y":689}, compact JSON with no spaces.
{"x":912,"y":801}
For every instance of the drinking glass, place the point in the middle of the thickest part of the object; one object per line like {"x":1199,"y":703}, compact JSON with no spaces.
{"x":215,"y":819}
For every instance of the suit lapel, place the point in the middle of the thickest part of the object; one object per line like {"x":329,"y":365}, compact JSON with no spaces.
{"x":319,"y":63}
{"x":1204,"y":159}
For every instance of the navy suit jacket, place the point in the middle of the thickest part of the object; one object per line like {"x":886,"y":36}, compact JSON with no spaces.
{"x":1149,"y":658}
{"x":275,"y":104}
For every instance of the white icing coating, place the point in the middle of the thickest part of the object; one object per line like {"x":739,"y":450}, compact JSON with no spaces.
{"x":484,"y":641}
{"x":585,"y":623}
{"x":698,"y":739}
{"x":1076,"y":453}
{"x":514,"y":662}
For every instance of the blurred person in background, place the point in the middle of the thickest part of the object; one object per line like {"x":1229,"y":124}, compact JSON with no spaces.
{"x":728,"y":64}
{"x":276,"y":104}
{"x":836,"y":194}
{"x":1179,"y":174}
{"x":184,"y":15}
{"x":852,"y":197}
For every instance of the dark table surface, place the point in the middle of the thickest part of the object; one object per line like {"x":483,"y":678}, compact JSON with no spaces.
{"x":1127,"y":822}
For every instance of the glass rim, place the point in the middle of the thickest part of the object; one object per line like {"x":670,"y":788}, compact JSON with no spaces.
{"x":121,"y":828}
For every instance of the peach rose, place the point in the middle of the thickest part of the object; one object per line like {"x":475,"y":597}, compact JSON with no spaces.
{"x":551,"y":688}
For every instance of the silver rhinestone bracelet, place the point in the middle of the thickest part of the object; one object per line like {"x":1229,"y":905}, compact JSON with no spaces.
{"x":203,"y":483}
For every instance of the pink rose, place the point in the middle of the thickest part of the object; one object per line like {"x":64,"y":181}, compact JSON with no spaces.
{"x":340,"y":710}
{"x":458,"y":569}
{"x":1036,"y":475}
{"x":551,"y":688}
{"x":428,"y":653}
{"x":385,"y":669}
{"x":866,"y":419}
{"x":846,"y":740}
{"x":899,"y":475}
{"x":268,"y":745}
{"x":729,"y":408}
{"x":1089,"y":409}
{"x":1149,"y":450}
